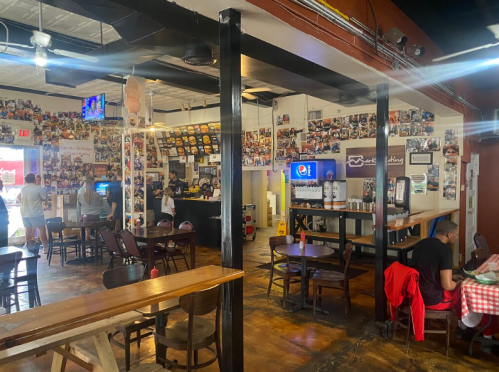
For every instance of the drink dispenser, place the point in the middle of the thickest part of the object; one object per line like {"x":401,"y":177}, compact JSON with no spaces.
{"x":308,"y":179}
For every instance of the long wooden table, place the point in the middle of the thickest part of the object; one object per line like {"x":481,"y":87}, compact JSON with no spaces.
{"x":156,"y":234}
{"x":421,"y":219}
{"x":42,"y":323}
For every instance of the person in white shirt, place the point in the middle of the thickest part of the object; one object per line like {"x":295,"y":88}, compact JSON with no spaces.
{"x":31,"y":198}
{"x":168,"y":205}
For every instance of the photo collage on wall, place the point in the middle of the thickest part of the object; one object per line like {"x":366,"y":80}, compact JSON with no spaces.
{"x":411,"y":123}
{"x":257,"y":147}
{"x":287,"y":146}
{"x":201,"y":139}
{"x":433,"y":177}
{"x":65,"y":174}
{"x":323,"y":137}
{"x":18,"y":109}
{"x":423,"y":144}
{"x":451,"y":154}
{"x":7,"y":134}
{"x":369,"y":190}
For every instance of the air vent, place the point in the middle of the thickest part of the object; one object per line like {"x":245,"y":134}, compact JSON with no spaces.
{"x":198,"y":54}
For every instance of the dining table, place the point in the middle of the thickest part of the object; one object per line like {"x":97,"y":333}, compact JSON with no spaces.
{"x":479,"y":299}
{"x":307,"y":252}
{"x":31,"y":261}
{"x":153,"y":235}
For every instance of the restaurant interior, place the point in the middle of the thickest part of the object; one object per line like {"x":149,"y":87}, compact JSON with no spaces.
{"x":181,"y":181}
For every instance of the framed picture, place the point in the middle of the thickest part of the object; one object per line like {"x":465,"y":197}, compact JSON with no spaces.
{"x":154,"y":176}
{"x":421,"y":158}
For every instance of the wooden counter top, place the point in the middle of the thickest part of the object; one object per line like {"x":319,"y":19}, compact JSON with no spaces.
{"x":408,"y":243}
{"x":417,"y":219}
{"x":330,"y":210}
{"x":29,"y":325}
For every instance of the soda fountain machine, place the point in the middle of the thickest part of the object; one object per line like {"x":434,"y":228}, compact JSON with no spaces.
{"x":314,"y":182}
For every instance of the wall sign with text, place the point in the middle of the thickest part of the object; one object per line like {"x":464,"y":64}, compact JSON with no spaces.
{"x":361,"y":162}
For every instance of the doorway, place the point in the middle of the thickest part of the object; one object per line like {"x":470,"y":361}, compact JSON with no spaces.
{"x":471,"y":203}
{"x":12,"y":176}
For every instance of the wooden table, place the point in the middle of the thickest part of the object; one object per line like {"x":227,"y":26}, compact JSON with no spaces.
{"x":421,"y":219}
{"x":156,"y":234}
{"x":402,"y":248}
{"x":31,"y":262}
{"x":36,"y":325}
{"x":309,"y":251}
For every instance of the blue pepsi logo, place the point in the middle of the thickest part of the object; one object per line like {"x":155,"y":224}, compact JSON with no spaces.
{"x":302,"y":170}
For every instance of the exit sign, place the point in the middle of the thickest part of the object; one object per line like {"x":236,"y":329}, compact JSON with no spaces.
{"x":23,"y":132}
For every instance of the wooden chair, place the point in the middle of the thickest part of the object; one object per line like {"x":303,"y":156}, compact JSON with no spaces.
{"x":120,"y":277}
{"x":30,"y":273}
{"x":136,"y":254}
{"x":175,"y":253}
{"x":195,"y":333}
{"x":481,"y":242}
{"x":60,"y":241}
{"x":335,"y":280}
{"x":479,"y":256}
{"x":405,"y":309}
{"x":286,"y":272}
{"x":98,"y":242}
{"x":113,"y":247}
{"x":165,"y":223}
{"x":59,"y":219}
{"x":8,"y":275}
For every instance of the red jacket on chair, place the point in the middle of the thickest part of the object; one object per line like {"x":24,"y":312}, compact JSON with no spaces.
{"x":403,"y":282}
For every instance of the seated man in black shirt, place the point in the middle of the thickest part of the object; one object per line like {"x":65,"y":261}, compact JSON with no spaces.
{"x":432,"y":258}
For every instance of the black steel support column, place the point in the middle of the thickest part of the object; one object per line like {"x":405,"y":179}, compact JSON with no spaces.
{"x":381,"y":200}
{"x":232,"y":240}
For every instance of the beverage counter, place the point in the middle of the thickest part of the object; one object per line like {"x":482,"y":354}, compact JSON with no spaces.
{"x":199,"y":213}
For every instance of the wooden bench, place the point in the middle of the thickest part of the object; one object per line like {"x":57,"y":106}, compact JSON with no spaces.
{"x":402,"y":248}
{"x":56,"y":326}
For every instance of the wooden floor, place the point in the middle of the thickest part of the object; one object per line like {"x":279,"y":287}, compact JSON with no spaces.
{"x":276,"y":340}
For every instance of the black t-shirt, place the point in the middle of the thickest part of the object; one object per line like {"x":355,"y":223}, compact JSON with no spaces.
{"x":117,"y":197}
{"x":149,"y":197}
{"x":174,"y":185}
{"x":429,"y":257}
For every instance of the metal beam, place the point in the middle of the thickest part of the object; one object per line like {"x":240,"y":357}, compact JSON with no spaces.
{"x":232,"y":192}
{"x":381,"y":201}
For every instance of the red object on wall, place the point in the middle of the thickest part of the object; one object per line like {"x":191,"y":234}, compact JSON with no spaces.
{"x":8,"y":167}
{"x":23,"y":132}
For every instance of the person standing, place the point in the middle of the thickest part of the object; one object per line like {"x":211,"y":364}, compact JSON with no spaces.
{"x":31,"y":198}
{"x":168,"y":205}
{"x":38,"y":180}
{"x":4,"y":222}
{"x":90,"y":204}
{"x":115,"y":198}
{"x":174,"y":183}
{"x":150,"y":195}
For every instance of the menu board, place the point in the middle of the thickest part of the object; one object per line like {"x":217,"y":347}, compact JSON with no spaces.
{"x":200,"y":139}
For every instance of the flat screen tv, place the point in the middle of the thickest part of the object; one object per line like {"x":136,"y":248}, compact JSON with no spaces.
{"x":93,"y":108}
{"x":101,"y":188}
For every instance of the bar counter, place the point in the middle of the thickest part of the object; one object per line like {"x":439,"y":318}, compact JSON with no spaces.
{"x":199,"y":213}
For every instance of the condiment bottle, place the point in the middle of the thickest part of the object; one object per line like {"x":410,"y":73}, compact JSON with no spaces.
{"x":302,"y":240}
{"x":154,"y":273}
{"x":137,"y":224}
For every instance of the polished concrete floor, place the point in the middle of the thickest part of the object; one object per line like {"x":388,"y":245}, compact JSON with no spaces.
{"x":276,"y":340}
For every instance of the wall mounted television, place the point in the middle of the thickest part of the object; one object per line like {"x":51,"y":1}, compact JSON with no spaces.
{"x":93,"y":108}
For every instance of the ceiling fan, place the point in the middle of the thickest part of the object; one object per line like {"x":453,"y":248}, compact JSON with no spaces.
{"x":246,"y":93}
{"x":41,"y":42}
{"x":492,"y":28}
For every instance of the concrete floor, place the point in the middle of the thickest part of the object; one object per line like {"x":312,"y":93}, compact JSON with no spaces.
{"x":276,"y":340}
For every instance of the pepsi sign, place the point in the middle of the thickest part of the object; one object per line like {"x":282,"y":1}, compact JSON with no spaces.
{"x":303,"y":171}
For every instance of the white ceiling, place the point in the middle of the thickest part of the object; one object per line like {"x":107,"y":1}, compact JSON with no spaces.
{"x":57,"y":20}
{"x":30,"y":77}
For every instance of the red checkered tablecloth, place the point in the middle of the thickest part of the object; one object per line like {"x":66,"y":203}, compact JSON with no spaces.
{"x":479,"y":298}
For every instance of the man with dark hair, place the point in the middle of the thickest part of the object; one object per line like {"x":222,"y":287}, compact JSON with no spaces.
{"x":174,"y":183}
{"x":31,"y":198}
{"x":432,"y":258}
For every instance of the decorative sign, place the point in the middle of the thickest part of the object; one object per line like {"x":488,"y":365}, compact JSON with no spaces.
{"x":215,"y":158}
{"x":361,"y":162}
{"x":82,"y":151}
{"x":421,"y":158}
{"x":100,"y":170}
{"x":419,"y":184}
